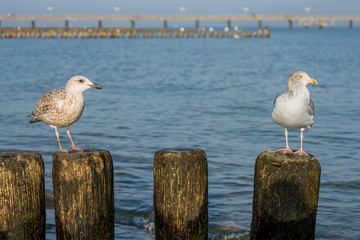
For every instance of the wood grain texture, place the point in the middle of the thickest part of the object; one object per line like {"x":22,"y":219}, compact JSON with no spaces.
{"x":84,"y":195}
{"x":22,"y":196}
{"x":286,"y":190}
{"x":181,"y":194}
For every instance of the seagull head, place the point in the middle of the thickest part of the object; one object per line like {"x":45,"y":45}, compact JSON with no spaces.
{"x":300,"y":79}
{"x":80,"y":84}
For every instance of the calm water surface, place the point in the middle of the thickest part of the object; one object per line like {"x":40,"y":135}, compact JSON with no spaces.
{"x":214,"y":94}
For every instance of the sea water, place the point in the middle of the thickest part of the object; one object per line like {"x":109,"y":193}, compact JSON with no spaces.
{"x":210,"y":93}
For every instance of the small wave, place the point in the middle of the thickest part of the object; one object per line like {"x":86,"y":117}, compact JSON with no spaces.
{"x":342,"y":185}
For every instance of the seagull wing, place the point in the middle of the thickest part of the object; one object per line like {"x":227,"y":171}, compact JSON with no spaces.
{"x":310,"y":108}
{"x":277,"y":98}
{"x":49,"y":101}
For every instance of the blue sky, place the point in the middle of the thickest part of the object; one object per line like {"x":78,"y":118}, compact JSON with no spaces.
{"x":172,"y":7}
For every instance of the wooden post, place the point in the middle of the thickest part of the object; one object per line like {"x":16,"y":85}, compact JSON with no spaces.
{"x":84,"y":195}
{"x":290,"y":24}
{"x":180,"y":194}
{"x":267,"y":32}
{"x":351,"y":24}
{"x":22,"y":196}
{"x":261,"y":33}
{"x":286,"y":190}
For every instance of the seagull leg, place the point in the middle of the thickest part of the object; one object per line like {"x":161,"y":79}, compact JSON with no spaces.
{"x":74,"y":148}
{"x":301,"y":152}
{"x":57,"y":135}
{"x":287,"y":149}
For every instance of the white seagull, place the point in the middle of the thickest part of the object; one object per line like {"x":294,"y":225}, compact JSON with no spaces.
{"x":61,"y":107}
{"x":294,"y":108}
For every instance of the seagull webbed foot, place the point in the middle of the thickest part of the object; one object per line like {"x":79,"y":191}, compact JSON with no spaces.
{"x":301,"y":153}
{"x":63,"y":151}
{"x":285,"y":150}
{"x":76,"y":149}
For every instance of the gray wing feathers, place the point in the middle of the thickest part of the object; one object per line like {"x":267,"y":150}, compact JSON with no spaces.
{"x":276,"y":98}
{"x":310,"y":108}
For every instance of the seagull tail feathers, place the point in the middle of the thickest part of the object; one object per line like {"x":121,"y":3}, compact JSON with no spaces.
{"x":35,"y":119}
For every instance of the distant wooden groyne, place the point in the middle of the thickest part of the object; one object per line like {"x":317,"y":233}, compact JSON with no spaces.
{"x":301,"y":19}
{"x":68,"y":33}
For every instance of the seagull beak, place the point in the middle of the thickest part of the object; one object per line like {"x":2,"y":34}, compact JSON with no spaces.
{"x":95,"y":85}
{"x":313,"y":81}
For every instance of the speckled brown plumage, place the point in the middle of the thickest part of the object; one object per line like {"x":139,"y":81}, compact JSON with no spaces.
{"x":62,"y":107}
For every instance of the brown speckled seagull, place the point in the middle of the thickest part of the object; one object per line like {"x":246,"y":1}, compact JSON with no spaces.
{"x":61,"y":107}
{"x":294,"y":108}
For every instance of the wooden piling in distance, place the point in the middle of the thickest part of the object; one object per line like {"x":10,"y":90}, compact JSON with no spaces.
{"x":22,"y":196}
{"x":267,"y":32}
{"x":180,"y":194}
{"x":286,"y":190}
{"x":204,"y":33}
{"x":84,"y":195}
{"x":261,"y":33}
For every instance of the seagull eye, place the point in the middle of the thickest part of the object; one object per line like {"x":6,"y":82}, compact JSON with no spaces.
{"x":81,"y":80}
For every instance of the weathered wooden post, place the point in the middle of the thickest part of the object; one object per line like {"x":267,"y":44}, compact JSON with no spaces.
{"x":267,"y":32}
{"x":84,"y":195}
{"x":261,"y":34}
{"x":22,"y":196}
{"x":286,"y":190}
{"x":180,"y":194}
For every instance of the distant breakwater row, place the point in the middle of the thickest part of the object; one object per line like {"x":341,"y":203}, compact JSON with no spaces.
{"x":56,"y":33}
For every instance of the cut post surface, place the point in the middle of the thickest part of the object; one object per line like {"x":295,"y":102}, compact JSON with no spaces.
{"x":84,"y":195}
{"x":181,"y":194}
{"x":286,"y":190}
{"x":22,"y":196}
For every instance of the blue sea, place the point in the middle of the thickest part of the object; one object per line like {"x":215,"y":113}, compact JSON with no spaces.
{"x":210,"y":93}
